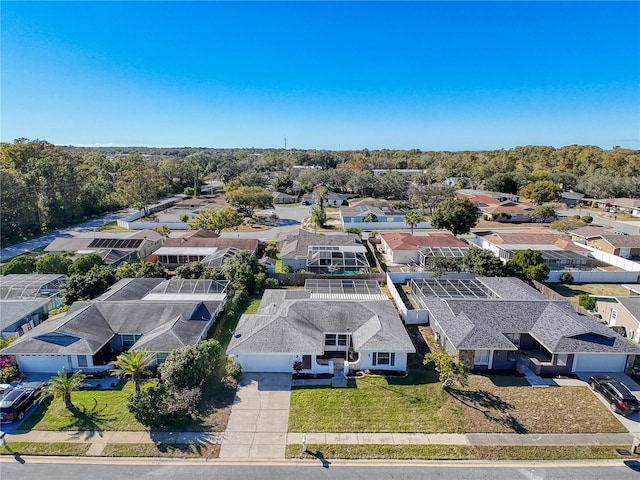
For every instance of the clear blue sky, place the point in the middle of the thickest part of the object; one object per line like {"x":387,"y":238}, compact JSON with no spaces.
{"x":428,"y":75}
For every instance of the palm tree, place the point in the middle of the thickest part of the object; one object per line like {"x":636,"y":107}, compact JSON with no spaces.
{"x":134,"y":363}
{"x":63,"y":385}
{"x":413,"y":218}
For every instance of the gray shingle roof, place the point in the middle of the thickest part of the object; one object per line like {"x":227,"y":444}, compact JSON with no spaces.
{"x":88,"y":326}
{"x":632,"y":304}
{"x":297,"y":245}
{"x":290,"y":321}
{"x":480,"y":324}
{"x":11,"y":311}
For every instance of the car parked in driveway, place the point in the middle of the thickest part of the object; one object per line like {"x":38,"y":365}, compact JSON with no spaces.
{"x":619,"y":397}
{"x":15,"y":403}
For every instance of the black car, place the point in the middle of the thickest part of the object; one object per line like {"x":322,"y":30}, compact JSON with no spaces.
{"x":15,"y":403}
{"x":620,"y":398}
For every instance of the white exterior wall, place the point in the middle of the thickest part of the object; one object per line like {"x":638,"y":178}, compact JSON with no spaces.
{"x":599,"y":362}
{"x":44,"y":363}
{"x":405,"y":256}
{"x":366,"y":362}
{"x":266,"y":362}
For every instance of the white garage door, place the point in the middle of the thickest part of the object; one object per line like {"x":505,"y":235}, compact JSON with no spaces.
{"x":599,"y":363}
{"x":42,"y":363}
{"x":282,"y":363}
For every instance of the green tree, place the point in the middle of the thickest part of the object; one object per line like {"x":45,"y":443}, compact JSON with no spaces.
{"x":586,"y":301}
{"x":250,"y":198}
{"x":283,"y":183}
{"x":370,"y":218}
{"x":140,"y":270}
{"x":53,"y":263}
{"x":140,"y":185}
{"x":83,"y":264}
{"x":413,"y":218}
{"x":528,"y":265}
{"x":20,"y":264}
{"x":567,"y":224}
{"x":187,"y":367}
{"x":163,"y":230}
{"x":318,"y":215}
{"x":242,"y":271}
{"x":429,"y":195}
{"x":438,"y":266}
{"x":452,"y":372}
{"x":159,"y":405}
{"x":63,"y":385}
{"x":190,"y":270}
{"x":134,"y":363}
{"x":88,"y":285}
{"x":217,"y":220}
{"x":541,"y":191}
{"x":482,"y":262}
{"x":458,"y":215}
{"x":542,"y":213}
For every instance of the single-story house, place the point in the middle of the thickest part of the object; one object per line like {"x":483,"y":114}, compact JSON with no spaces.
{"x":501,"y":323}
{"x":150,"y":314}
{"x":26,"y":300}
{"x":280,"y":198}
{"x":625,"y":246}
{"x":582,"y":234}
{"x":498,"y":197}
{"x":510,"y":212}
{"x":335,"y":199}
{"x":202,"y":246}
{"x":368,"y":217}
{"x":557,"y":249}
{"x":113,"y":248}
{"x":317,"y":253}
{"x":571,"y":199}
{"x":630,"y":205}
{"x":329,"y":330}
{"x":404,"y":248}
{"x":621,"y":311}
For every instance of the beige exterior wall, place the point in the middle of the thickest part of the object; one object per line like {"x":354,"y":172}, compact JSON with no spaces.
{"x":601,"y":244}
{"x":614,"y":313}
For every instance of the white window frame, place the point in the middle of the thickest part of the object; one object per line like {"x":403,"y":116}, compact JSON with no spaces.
{"x":562,"y":359}
{"x":478,"y":357}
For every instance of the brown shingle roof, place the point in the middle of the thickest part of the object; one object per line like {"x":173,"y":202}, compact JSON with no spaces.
{"x":406,"y":241}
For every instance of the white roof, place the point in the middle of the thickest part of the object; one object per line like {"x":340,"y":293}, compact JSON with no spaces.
{"x":186,"y":251}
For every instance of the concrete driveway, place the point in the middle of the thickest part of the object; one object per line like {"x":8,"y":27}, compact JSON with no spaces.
{"x":259,"y":418}
{"x":630,"y":422}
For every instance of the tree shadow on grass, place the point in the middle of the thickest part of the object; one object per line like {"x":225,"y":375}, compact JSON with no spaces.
{"x":38,"y":414}
{"x":89,"y":420}
{"x":491,"y":406}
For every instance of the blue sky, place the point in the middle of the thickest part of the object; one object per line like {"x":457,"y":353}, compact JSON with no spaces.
{"x":332,"y":75}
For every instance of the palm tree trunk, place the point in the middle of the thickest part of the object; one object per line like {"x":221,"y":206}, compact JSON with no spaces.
{"x":136,"y":382}
{"x":67,"y":401}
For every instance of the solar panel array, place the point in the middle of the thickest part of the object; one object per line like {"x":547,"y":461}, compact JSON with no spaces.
{"x":450,"y":288}
{"x":343,"y":286}
{"x":116,"y":243}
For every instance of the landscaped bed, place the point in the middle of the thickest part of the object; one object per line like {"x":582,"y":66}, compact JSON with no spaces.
{"x":418,"y":403}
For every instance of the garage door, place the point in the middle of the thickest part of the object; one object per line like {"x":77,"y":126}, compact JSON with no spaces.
{"x":282,"y":363}
{"x":599,"y":363}
{"x":42,"y":363}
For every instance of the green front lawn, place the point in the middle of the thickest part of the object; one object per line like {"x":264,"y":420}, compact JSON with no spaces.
{"x":41,"y":448}
{"x":417,"y":403}
{"x":572,"y":292}
{"x":455,"y":452}
{"x":95,"y":410}
{"x":179,"y":450}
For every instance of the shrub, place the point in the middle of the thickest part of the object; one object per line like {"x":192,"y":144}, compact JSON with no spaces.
{"x":56,"y":311}
{"x":20,"y":264}
{"x":566,"y":278}
{"x":587,"y":302}
{"x":232,"y":369}
{"x":287,"y":269}
{"x":8,"y":371}
{"x":158,"y":406}
{"x":272,"y":283}
{"x":587,"y":218}
{"x":355,"y":230}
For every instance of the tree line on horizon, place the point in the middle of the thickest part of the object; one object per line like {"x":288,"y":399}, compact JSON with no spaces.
{"x":45,"y":186}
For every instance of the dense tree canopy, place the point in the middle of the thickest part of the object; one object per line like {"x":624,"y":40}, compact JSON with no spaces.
{"x":482,"y":262}
{"x":528,"y":265}
{"x":217,"y":220}
{"x":250,"y":198}
{"x":458,"y":215}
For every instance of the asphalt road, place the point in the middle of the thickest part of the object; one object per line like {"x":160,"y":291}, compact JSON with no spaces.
{"x":11,"y":469}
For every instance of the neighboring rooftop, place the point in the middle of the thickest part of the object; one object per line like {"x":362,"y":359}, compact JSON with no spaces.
{"x":407,"y":241}
{"x":297,"y":244}
{"x":32,"y":285}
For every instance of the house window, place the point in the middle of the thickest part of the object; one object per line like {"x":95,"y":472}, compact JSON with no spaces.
{"x":82,"y":361}
{"x":562,"y":359}
{"x":330,"y":340}
{"x":384,"y":358}
{"x":481,"y":357}
{"x":614,"y":316}
{"x":342,"y":340}
{"x":513,"y":338}
{"x":161,"y":357}
{"x":306,"y":362}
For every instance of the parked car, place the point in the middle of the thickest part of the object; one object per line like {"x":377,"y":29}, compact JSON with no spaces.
{"x":15,"y":403}
{"x":5,"y":388}
{"x":620,"y":398}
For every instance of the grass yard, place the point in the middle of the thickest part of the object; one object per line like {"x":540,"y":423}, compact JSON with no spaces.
{"x":455,"y":452}
{"x":417,"y":403}
{"x":571,"y":292}
{"x":95,"y":410}
{"x":41,"y":448}
{"x":179,"y":450}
